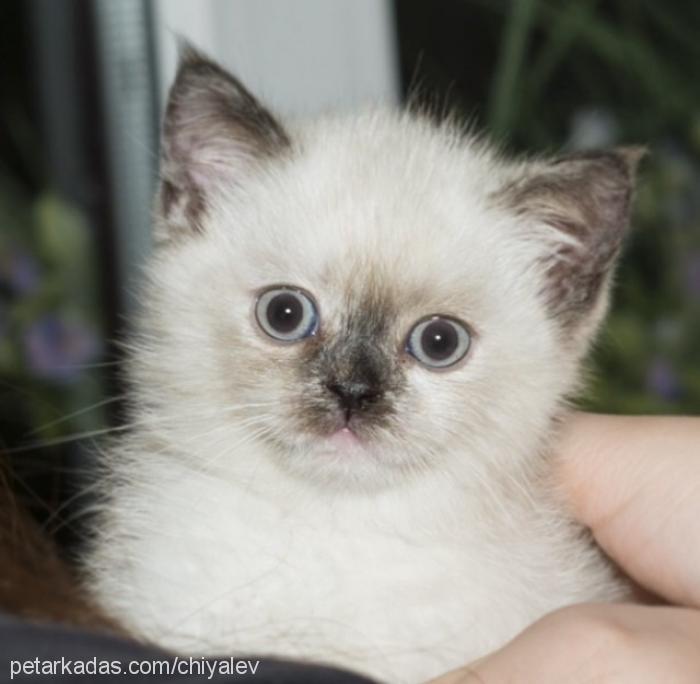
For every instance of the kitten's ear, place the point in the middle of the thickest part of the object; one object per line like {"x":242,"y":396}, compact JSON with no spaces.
{"x":579,"y":207}
{"x":214,"y":133}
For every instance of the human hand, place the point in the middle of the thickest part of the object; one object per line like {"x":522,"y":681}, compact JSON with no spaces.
{"x":636,"y":483}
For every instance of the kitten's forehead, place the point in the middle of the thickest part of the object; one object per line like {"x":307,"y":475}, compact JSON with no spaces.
{"x":405,"y":210}
{"x":350,"y":201}
{"x":389,"y":291}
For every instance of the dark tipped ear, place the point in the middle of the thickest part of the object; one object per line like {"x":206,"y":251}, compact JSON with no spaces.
{"x":580,"y":205}
{"x":213,"y":133}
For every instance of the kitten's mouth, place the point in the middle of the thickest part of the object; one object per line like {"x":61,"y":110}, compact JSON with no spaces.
{"x":344,"y":439}
{"x":335,"y":430}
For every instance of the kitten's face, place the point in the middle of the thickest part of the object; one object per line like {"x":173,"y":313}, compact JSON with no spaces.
{"x":366,"y":298}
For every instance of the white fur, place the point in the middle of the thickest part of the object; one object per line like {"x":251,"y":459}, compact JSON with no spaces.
{"x":226,"y":529}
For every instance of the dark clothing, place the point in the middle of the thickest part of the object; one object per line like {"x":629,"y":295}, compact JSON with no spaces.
{"x":104,"y":659}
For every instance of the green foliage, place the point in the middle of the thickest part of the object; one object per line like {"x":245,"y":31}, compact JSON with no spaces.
{"x":592,"y":73}
{"x":49,"y":326}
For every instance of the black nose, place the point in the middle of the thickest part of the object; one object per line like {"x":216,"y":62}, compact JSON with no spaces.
{"x":353,"y":396}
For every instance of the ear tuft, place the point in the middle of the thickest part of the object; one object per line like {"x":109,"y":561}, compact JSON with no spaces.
{"x":214,"y":134}
{"x":578,"y":206}
{"x":189,"y":54}
{"x":632,"y":156}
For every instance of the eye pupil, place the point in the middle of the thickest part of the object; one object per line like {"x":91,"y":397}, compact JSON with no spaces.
{"x":439,"y":340}
{"x":284,"y":313}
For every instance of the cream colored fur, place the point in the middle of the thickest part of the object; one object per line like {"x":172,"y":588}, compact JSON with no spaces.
{"x":226,"y":529}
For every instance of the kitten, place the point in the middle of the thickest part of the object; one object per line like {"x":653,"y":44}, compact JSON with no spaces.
{"x":358,"y":336}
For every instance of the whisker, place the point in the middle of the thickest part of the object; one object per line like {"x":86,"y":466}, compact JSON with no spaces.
{"x":75,"y":414}
{"x":67,"y":439}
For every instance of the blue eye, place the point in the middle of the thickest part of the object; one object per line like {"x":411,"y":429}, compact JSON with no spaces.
{"x":438,"y":342}
{"x":286,"y":314}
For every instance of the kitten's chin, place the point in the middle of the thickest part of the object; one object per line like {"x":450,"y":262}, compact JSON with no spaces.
{"x":345,"y":457}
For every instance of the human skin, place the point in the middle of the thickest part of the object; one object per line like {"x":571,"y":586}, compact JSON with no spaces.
{"x":635,"y":482}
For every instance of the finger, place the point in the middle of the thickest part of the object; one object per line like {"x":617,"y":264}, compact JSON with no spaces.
{"x":596,"y":643}
{"x":635,"y":481}
{"x":464,"y":675}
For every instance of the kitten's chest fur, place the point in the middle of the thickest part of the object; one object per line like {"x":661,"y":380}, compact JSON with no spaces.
{"x":401,"y":586}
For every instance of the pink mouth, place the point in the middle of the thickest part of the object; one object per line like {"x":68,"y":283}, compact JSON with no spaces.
{"x":344,"y":439}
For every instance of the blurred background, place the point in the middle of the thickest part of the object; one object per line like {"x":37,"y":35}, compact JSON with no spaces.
{"x":82,"y":86}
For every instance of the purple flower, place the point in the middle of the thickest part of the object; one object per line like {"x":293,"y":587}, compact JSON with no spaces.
{"x":56,"y":347}
{"x":692,"y":275}
{"x":20,"y":270}
{"x":662,"y":380}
